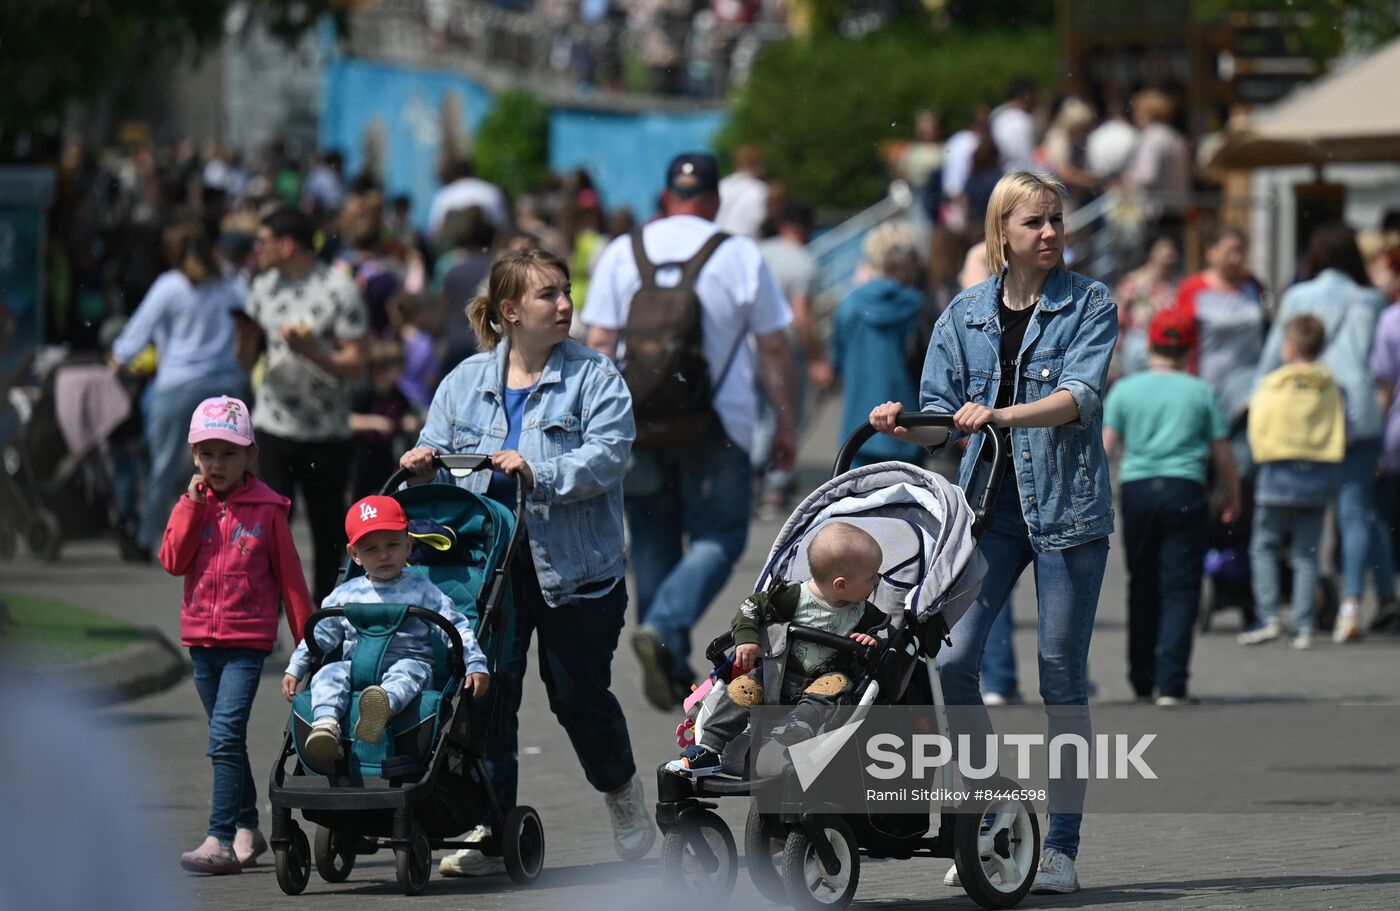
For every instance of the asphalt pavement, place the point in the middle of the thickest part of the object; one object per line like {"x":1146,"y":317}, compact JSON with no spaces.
{"x":1166,"y":861}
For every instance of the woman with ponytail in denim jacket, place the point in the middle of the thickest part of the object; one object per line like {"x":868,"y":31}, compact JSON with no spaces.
{"x":1027,"y":352}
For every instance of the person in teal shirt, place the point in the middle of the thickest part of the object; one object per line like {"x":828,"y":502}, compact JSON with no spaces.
{"x":1168,"y":424}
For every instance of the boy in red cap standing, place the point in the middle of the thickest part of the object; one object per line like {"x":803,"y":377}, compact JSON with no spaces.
{"x":1168,"y":423}
{"x":379,"y":543}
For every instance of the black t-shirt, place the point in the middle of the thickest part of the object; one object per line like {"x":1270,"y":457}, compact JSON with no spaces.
{"x":1013,"y":332}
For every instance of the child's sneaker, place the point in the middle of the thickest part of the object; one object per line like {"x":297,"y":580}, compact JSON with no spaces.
{"x":1302,"y":641}
{"x":211,"y":858}
{"x":248,"y":846}
{"x":1056,"y":874}
{"x":323,"y":743}
{"x":1267,"y":631}
{"x":696,"y":761}
{"x":374,"y":714}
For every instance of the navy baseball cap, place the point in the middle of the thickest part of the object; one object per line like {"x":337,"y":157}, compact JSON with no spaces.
{"x":693,"y":173}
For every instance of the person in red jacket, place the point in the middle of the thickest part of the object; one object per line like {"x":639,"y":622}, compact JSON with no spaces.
{"x":230,"y":538}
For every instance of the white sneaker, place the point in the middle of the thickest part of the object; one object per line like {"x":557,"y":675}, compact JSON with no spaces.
{"x":323,"y":743}
{"x":1346,"y":628}
{"x":950,"y":878}
{"x":472,"y":861}
{"x":1056,"y":874}
{"x":633,"y":832}
{"x":1267,"y":631}
{"x":1302,"y":641}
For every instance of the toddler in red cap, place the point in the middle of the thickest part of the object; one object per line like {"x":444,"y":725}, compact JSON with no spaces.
{"x":229,"y":537}
{"x":377,"y":530}
{"x":1169,"y":425}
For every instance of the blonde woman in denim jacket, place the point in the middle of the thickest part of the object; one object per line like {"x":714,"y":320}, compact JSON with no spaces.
{"x":1028,"y":351}
{"x":556,"y":417}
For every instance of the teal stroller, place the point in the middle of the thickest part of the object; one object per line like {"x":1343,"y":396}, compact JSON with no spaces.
{"x":425,"y":782}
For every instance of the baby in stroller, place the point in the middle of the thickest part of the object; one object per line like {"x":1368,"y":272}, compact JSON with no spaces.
{"x":377,"y":529}
{"x":845,"y":565}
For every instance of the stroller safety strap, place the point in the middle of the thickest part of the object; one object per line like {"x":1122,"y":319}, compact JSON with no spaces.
{"x":376,"y":625}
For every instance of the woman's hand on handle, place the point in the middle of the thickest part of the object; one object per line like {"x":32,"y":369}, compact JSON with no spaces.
{"x":508,"y":461}
{"x":419,"y":461}
{"x":973,"y":417}
{"x":883,"y":417}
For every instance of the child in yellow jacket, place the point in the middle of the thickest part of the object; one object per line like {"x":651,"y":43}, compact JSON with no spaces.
{"x":1297,"y":432}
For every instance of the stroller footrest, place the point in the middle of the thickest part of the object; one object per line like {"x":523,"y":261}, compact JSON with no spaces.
{"x":402,"y":767}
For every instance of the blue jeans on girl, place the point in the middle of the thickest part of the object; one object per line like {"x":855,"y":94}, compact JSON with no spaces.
{"x":227,"y":680}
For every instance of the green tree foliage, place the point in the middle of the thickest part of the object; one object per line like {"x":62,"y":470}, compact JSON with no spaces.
{"x":823,"y":110}
{"x":512,"y":144}
{"x":54,"y":52}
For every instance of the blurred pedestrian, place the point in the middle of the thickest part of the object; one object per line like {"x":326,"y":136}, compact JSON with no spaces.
{"x":462,"y":189}
{"x":186,"y":316}
{"x":459,"y":274}
{"x":743,"y":195}
{"x":1168,"y":425}
{"x":1141,"y":295}
{"x":1297,"y":431}
{"x":1337,"y":290}
{"x":1012,"y":126}
{"x":314,"y":324}
{"x":870,"y":335}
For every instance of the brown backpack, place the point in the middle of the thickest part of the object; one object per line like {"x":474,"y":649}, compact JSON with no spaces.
{"x":664,"y":362}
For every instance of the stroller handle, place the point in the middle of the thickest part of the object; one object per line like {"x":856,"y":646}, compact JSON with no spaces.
{"x":982,"y":501}
{"x":831,"y":640}
{"x":470,"y":461}
{"x":459,"y":666}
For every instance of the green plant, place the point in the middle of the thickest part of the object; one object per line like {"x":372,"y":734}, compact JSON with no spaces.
{"x":822,"y":110}
{"x":512,"y":143}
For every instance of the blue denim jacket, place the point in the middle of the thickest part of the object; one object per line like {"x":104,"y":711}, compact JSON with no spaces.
{"x":577,"y":435}
{"x":1062,"y":472}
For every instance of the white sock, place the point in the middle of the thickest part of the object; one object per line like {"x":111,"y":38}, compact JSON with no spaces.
{"x":1348,"y":608}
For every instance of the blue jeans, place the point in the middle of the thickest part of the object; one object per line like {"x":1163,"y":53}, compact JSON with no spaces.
{"x":1365,"y":533}
{"x":1067,"y":584}
{"x":577,"y":641}
{"x":1164,"y":530}
{"x":227,"y":680}
{"x":698,"y":496}
{"x":167,"y":441}
{"x":1272,"y":526}
{"x":999,"y":656}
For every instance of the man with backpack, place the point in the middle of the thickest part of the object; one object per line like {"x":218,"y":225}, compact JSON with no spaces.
{"x":676,"y":302}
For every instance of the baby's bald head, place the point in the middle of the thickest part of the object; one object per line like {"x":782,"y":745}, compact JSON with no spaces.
{"x":842,"y":549}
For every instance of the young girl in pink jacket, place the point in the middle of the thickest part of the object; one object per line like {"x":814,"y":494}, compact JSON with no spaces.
{"x":229,"y":537}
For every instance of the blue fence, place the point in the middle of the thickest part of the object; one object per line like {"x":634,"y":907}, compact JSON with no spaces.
{"x":625,"y":153}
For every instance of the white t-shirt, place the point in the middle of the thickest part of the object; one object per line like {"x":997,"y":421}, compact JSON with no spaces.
{"x":465,"y":193}
{"x":957,"y":162}
{"x":743,"y":204}
{"x":1110,"y":148}
{"x":1013,"y":131}
{"x":738,"y":296}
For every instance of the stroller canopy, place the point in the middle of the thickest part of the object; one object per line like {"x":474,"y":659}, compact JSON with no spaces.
{"x":923,"y":524}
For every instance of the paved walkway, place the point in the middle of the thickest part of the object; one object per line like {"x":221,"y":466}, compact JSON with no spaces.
{"x":1167,"y":861}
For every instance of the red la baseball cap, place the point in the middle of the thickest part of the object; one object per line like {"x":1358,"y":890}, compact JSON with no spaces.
{"x":1173,"y":327}
{"x":374,"y":514}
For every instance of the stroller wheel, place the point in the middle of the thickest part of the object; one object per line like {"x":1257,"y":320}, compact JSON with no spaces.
{"x":45,"y":536}
{"x":699,"y":857}
{"x":809,"y":883}
{"x":763,"y":854}
{"x":996,"y":858}
{"x":335,"y":854}
{"x":294,"y":863}
{"x":522,"y":845}
{"x":414,"y":864}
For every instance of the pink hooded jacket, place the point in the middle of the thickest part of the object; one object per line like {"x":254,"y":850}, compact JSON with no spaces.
{"x":238,"y":561}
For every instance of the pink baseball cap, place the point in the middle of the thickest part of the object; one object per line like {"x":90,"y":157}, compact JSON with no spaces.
{"x":222,"y":418}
